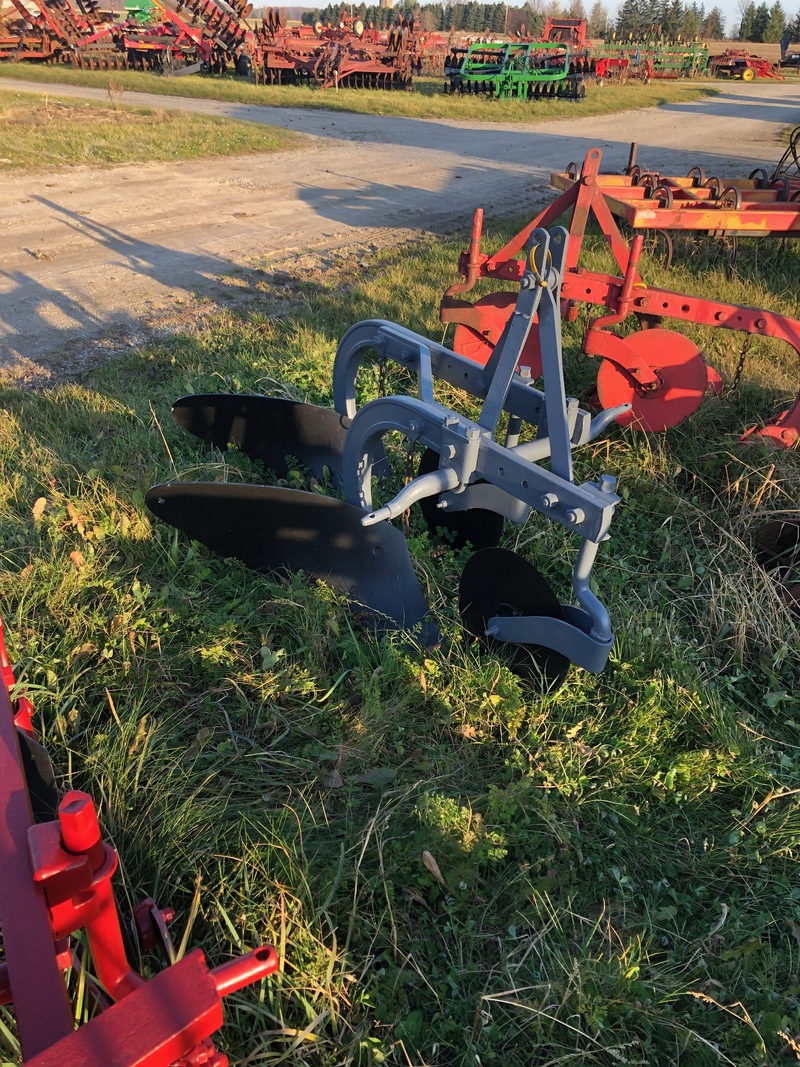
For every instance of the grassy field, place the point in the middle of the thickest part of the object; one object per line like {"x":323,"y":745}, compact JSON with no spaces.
{"x":455,"y":868}
{"x":427,"y":101}
{"x":58,"y":132}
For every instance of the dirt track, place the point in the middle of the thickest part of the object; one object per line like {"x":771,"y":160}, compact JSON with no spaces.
{"x":89,"y":258}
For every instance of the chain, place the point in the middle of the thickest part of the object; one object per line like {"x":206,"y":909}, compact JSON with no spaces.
{"x":732,"y":394}
{"x":382,"y":375}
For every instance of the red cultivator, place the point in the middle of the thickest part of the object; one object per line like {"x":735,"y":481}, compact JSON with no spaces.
{"x":659,"y":372}
{"x":724,"y":209}
{"x":56,"y":882}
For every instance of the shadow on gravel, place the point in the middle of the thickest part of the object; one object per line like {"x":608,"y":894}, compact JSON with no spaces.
{"x":784,"y":112}
{"x":37,"y":314}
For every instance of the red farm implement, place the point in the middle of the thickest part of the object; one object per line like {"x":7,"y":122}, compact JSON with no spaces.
{"x":735,"y":63}
{"x":57,"y":902}
{"x":663,"y":207}
{"x":202,"y":34}
{"x":659,"y":372}
{"x":348,"y":55}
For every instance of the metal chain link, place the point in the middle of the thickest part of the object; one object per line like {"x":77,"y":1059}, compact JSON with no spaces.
{"x":382,"y":375}
{"x":733,"y":394}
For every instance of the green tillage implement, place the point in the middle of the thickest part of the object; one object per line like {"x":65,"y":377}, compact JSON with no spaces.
{"x":524,"y":69}
{"x":141,"y":11}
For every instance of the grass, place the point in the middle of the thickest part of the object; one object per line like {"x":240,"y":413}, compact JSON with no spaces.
{"x":454,"y":868}
{"x":57,"y":132}
{"x":427,"y":101}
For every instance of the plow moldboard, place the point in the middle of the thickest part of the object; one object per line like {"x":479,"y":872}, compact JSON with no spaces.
{"x":269,"y":429}
{"x":288,"y":530}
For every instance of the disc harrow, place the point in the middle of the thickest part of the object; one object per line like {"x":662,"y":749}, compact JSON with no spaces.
{"x":78,"y":33}
{"x":470,"y":480}
{"x":57,"y":899}
{"x":522,"y":69}
{"x":658,"y":372}
{"x":347,"y":56}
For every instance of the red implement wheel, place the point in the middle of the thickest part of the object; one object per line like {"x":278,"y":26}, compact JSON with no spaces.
{"x":683,"y":380}
{"x":495,"y":311}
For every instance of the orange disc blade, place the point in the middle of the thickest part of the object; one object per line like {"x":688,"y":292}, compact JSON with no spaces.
{"x":683,"y":380}
{"x":495,"y":311}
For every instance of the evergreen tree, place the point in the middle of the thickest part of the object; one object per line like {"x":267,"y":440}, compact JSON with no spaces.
{"x":672,"y":20}
{"x":599,"y":20}
{"x":714,"y":25}
{"x":746,"y":25}
{"x":776,"y":24}
{"x":760,"y":22}
{"x":691,"y":25}
{"x":629,"y":20}
{"x":499,"y":18}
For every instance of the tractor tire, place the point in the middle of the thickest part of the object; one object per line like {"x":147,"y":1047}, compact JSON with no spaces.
{"x":748,"y":74}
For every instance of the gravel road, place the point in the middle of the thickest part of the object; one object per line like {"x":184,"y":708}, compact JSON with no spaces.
{"x":88,"y":255}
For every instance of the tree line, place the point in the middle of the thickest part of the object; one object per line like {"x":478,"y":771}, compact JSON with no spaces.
{"x":636,"y":19}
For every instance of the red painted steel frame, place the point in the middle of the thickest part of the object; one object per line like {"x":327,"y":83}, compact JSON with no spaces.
{"x":57,"y":880}
{"x":627,"y":293}
{"x":761,"y":212}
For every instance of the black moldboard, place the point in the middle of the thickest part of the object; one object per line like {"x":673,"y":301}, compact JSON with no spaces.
{"x":274,"y":529}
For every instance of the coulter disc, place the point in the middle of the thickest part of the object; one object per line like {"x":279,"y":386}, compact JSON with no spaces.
{"x":683,"y":380}
{"x":495,"y":311}
{"x":498,"y":582}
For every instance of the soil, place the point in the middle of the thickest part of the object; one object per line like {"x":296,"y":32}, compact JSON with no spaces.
{"x":95,"y":261}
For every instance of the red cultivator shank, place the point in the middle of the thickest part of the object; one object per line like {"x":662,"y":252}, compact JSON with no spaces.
{"x":663,"y":375}
{"x":56,"y":881}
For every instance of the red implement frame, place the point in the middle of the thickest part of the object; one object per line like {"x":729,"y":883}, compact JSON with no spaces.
{"x":622,"y":295}
{"x":56,"y":881}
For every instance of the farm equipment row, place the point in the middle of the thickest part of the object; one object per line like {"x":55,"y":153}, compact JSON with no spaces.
{"x":185,"y":36}
{"x":58,"y":910}
{"x":659,"y":373}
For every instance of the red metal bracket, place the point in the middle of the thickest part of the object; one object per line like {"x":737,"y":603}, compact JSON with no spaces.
{"x":56,"y":881}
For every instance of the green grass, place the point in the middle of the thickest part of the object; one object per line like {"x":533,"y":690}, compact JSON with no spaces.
{"x":37,"y":134}
{"x":427,"y":101}
{"x":455,"y":869}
